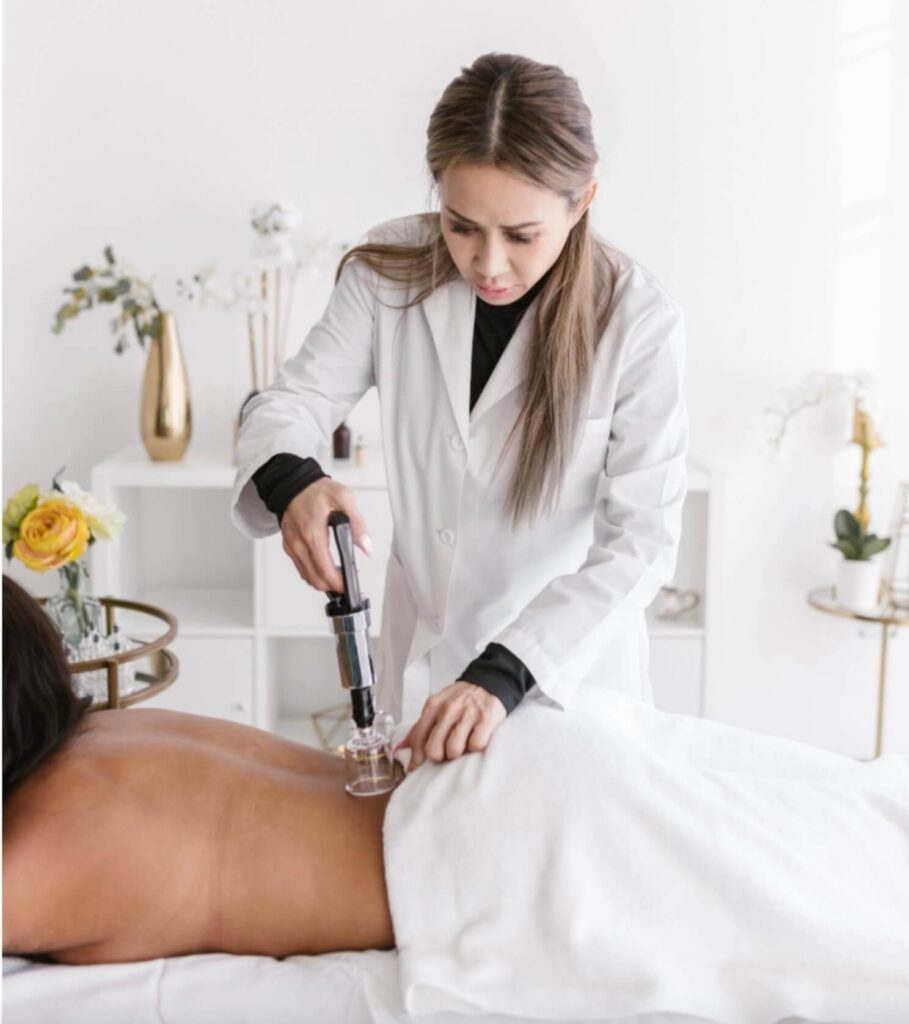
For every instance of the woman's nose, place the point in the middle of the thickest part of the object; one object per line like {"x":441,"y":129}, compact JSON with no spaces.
{"x":491,"y":262}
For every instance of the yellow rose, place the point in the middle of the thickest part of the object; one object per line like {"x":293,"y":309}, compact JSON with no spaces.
{"x":21,"y":503}
{"x":50,"y":535}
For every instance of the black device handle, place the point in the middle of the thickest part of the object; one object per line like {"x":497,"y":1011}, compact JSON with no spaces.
{"x":349,"y":600}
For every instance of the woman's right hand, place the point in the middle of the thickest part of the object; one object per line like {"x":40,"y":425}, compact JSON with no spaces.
{"x":305,"y":530}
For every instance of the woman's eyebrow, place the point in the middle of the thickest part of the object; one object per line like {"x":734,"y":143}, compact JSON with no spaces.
{"x":507,"y":227}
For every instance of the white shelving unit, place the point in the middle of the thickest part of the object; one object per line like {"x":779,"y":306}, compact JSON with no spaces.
{"x":253,"y":641}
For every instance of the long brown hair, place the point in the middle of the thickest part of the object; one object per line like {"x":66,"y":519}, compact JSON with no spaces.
{"x":530,"y":119}
{"x":40,"y":707}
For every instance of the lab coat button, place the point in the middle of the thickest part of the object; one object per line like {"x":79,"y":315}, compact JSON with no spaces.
{"x":446,"y":536}
{"x":456,"y":442}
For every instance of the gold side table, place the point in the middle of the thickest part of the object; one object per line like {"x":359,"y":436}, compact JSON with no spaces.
{"x":886,"y":615}
{"x":162,"y":663}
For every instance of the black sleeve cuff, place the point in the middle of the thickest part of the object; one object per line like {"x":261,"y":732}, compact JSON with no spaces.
{"x":282,"y":478}
{"x":501,"y":673}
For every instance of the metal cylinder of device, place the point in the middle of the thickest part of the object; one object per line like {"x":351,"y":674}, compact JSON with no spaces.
{"x":355,"y":662}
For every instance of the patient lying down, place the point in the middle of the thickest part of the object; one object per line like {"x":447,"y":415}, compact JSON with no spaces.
{"x":649,"y":862}
{"x":137,"y":833}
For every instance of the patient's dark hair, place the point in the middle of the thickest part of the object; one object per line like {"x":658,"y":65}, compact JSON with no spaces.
{"x":40,"y":709}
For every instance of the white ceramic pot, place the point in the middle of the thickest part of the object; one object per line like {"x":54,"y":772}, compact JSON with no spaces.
{"x":857,"y":584}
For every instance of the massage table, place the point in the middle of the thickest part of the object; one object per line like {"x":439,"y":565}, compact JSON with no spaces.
{"x":613,"y":862}
{"x":216,"y":988}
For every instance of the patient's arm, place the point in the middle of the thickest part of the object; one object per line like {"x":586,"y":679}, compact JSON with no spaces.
{"x":152,"y":833}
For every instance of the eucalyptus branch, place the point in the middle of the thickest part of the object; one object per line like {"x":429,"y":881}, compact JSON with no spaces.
{"x":113,"y":283}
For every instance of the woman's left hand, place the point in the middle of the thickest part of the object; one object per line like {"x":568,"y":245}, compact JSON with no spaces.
{"x":459,"y":719}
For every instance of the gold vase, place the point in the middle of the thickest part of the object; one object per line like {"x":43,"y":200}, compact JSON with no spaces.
{"x":165,"y":417}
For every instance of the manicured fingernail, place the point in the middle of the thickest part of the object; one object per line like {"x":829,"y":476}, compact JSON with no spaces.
{"x":366,"y":543}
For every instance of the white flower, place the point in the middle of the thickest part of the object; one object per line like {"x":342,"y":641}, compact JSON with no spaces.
{"x":812,"y":389}
{"x":104,"y":521}
{"x":274,"y":217}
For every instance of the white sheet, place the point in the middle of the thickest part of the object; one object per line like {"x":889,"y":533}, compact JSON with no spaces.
{"x":484,"y":820}
{"x":622,"y":861}
{"x":337,"y":988}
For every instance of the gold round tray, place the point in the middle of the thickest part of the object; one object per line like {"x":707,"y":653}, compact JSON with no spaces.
{"x":163,"y":664}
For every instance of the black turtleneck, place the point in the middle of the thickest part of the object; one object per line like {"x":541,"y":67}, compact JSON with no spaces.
{"x":282,"y":478}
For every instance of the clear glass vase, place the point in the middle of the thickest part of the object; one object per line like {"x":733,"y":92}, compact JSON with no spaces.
{"x":73,"y":610}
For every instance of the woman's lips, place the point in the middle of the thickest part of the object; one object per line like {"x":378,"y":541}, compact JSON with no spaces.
{"x":495,"y":293}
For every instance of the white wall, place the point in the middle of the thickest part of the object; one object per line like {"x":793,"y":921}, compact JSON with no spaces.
{"x":749,"y":157}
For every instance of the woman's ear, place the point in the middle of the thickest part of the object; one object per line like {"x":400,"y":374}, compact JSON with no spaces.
{"x":586,"y":200}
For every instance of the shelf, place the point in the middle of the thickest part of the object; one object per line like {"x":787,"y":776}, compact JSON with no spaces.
{"x":206,"y":467}
{"x":308,"y":634}
{"x":687,"y":625}
{"x":199,"y":467}
{"x":200,"y":611}
{"x":698,"y":477}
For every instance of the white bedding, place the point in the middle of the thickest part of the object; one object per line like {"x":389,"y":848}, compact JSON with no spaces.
{"x":618,"y":860}
{"x":630,"y":866}
{"x":336,"y":988}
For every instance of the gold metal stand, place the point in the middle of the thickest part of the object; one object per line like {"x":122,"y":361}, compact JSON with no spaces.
{"x":163,"y":663}
{"x":824,"y":600}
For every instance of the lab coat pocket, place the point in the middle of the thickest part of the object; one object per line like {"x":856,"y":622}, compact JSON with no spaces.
{"x":583,"y":472}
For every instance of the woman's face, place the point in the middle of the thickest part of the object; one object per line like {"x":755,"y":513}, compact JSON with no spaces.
{"x":502,"y":232}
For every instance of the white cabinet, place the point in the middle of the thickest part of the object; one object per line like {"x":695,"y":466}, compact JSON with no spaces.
{"x":215,"y":678}
{"x":253,"y":639}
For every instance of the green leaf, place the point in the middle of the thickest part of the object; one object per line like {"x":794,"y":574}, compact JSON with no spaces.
{"x":109,"y":255}
{"x":122,"y":286}
{"x":845,"y":524}
{"x":83,"y":273}
{"x":848,"y":546}
{"x":874,"y":545}
{"x":56,"y":485}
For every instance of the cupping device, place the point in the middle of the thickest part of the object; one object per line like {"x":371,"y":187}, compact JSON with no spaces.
{"x":370,"y":765}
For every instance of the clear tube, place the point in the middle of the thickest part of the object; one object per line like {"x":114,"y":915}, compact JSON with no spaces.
{"x":370,"y":764}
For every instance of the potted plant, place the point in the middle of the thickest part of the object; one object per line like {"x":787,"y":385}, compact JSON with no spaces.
{"x":858,"y":577}
{"x":165,"y":414}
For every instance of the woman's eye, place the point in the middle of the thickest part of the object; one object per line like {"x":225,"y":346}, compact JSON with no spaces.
{"x":520,"y":239}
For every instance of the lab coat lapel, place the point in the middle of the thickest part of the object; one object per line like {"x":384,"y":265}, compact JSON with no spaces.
{"x":510,"y":370}
{"x":450,"y":312}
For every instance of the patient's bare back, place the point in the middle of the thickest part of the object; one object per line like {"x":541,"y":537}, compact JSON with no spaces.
{"x":154,"y":833}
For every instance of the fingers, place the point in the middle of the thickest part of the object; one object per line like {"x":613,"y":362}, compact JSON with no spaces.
{"x":306,"y":534}
{"x":482,"y":733}
{"x":453,"y":722}
{"x":420,"y":731}
{"x":358,"y":527}
{"x":456,"y":741}
{"x":314,"y":564}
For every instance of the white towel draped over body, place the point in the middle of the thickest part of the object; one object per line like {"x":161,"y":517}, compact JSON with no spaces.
{"x":617,"y":859}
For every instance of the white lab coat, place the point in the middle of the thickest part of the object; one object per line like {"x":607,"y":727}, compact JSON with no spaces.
{"x":567,"y":596}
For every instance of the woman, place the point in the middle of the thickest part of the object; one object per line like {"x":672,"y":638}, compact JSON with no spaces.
{"x":137,"y":833}
{"x":536,"y":477}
